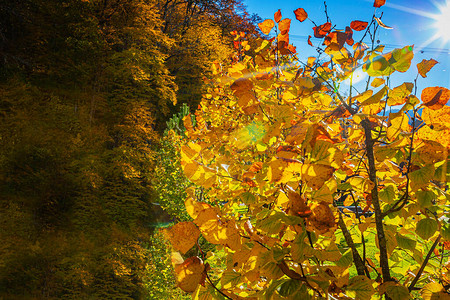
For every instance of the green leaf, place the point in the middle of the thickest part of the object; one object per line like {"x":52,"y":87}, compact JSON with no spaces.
{"x":398,"y":292}
{"x":401,"y":58}
{"x":405,"y":242}
{"x":248,"y":198}
{"x":230,"y":279}
{"x":426,"y":228}
{"x":425,"y":198}
{"x":387,"y":194}
{"x":420,"y":178}
{"x":360,"y":287}
{"x":272,"y":287}
{"x":445,"y":229}
{"x":346,"y":259}
{"x":289,"y":287}
{"x":272,"y":224}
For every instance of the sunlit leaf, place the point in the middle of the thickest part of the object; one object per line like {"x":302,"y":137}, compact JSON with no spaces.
{"x":425,"y":66}
{"x":266,"y":26}
{"x":183,"y":236}
{"x":300,"y":14}
{"x":399,"y":94}
{"x":379,"y":3}
{"x":381,"y":23}
{"x":322,"y":30}
{"x":358,"y":25}
{"x":426,"y":228}
{"x":277,"y":16}
{"x":190,"y":274}
{"x":434,"y":291}
{"x":420,"y":178}
{"x":435,"y":97}
{"x":360,"y":287}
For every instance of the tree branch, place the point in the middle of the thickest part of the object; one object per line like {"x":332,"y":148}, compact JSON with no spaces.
{"x":384,"y":263}
{"x":359,"y":264}
{"x":425,"y":262}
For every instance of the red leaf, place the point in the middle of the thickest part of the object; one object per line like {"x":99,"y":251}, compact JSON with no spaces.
{"x":309,"y":41}
{"x":277,"y":16}
{"x":358,"y":25}
{"x":379,"y":3}
{"x":300,"y":14}
{"x":322,"y":30}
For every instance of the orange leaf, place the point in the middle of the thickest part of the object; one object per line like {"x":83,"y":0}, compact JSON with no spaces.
{"x":266,"y":26}
{"x":190,"y":274}
{"x":284,"y":26}
{"x":379,"y":3}
{"x":297,"y":205}
{"x":323,"y":219}
{"x":277,"y":16}
{"x":183,"y":236}
{"x":425,"y":66}
{"x":322,"y":30}
{"x":435,"y":97}
{"x":336,"y":37}
{"x":349,"y":33}
{"x":300,"y":14}
{"x":309,"y":41}
{"x":358,"y":25}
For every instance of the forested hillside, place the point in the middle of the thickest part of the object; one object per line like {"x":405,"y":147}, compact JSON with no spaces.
{"x":86,"y":88}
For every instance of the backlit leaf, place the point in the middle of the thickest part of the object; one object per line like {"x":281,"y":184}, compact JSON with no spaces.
{"x":420,"y":178}
{"x":266,"y":26}
{"x":284,"y":26}
{"x":426,"y":228}
{"x":399,"y":94}
{"x":190,"y":274}
{"x":434,"y":291}
{"x":277,"y":16}
{"x":358,"y":25}
{"x":183,"y":236}
{"x":379,"y":3}
{"x":300,"y":14}
{"x":435,"y":97}
{"x":322,"y":30}
{"x":425,"y":66}
{"x":360,"y":287}
{"x":405,"y":242}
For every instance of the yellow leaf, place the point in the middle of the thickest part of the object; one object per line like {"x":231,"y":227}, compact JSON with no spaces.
{"x":399,"y":94}
{"x":425,"y":66}
{"x":377,"y":82}
{"x":399,"y":123}
{"x":183,"y":236}
{"x":316,"y":175}
{"x":434,"y":291}
{"x":193,"y":207}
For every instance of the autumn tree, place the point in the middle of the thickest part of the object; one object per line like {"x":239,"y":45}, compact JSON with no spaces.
{"x":275,"y":145}
{"x":82,"y":83}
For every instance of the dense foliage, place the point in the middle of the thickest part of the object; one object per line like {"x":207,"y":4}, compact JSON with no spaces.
{"x":276,"y":144}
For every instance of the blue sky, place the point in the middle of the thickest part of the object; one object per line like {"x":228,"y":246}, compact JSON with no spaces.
{"x":411,"y":21}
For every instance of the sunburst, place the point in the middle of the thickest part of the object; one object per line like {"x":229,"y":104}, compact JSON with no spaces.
{"x":441,"y":21}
